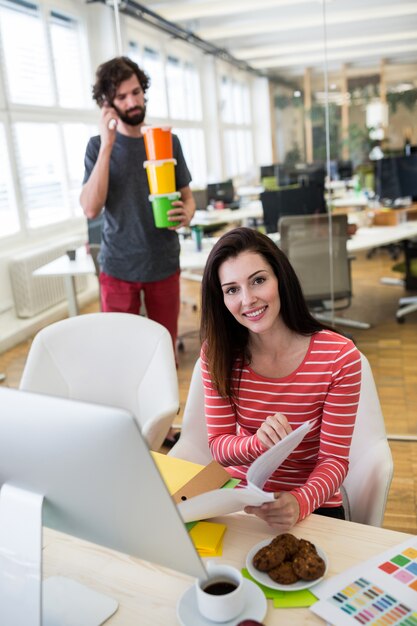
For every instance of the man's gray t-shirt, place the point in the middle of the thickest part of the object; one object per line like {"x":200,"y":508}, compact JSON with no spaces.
{"x":132,"y":248}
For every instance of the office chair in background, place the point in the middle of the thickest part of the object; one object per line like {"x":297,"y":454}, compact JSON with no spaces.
{"x":306,"y":242}
{"x":115,"y":359}
{"x":366,"y":486}
{"x":408,"y":267}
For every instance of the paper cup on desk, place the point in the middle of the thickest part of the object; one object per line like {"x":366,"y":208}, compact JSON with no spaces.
{"x":158,"y":142}
{"x":161,"y":176}
{"x":161,"y":204}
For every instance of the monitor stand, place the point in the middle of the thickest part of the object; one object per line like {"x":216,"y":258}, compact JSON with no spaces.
{"x":23,"y":597}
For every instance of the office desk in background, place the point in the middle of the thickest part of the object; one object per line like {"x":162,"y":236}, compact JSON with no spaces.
{"x":193,"y":261}
{"x":250,"y":211}
{"x":62,"y":266}
{"x":148,"y":593}
{"x":365,"y":238}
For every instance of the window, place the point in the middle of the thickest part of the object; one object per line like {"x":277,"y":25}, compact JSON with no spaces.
{"x":43,"y":66}
{"x":153,"y":66}
{"x":192,"y":143}
{"x":9,"y":223}
{"x":66,"y":54}
{"x":41,"y":174}
{"x":236,"y":118}
{"x":176,"y":89}
{"x":76,"y":137}
{"x":28,"y":70}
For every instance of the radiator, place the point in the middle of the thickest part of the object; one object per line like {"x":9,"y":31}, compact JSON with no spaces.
{"x":33,"y":294}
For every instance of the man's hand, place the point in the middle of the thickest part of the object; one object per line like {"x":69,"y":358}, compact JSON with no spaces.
{"x":179,"y":213}
{"x":273,"y":429}
{"x":183,"y":209}
{"x":108,"y":125}
{"x":281,"y":514}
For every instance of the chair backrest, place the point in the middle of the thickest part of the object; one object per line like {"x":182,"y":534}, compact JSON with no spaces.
{"x":365,"y":489}
{"x":115,"y":359}
{"x":306,"y":242}
{"x":193,"y":442}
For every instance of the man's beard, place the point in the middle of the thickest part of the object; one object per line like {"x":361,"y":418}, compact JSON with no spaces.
{"x":132,"y":119}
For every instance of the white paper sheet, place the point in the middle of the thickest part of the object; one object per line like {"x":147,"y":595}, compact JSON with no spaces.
{"x":223,"y":501}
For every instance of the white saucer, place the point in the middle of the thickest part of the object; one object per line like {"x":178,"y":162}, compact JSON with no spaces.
{"x":255,"y":608}
{"x":264,"y":579}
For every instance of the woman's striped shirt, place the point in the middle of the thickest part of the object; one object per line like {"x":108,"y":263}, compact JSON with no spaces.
{"x":324,"y":388}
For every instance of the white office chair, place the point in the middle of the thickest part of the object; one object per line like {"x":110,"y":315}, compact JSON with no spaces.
{"x":114,"y":359}
{"x":193,"y":442}
{"x":365,"y":489}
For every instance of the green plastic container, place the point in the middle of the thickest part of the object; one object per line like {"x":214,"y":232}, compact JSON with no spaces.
{"x":161,"y":204}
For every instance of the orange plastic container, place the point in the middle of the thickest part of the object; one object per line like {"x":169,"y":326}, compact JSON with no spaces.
{"x":158,"y":142}
{"x":161,"y":176}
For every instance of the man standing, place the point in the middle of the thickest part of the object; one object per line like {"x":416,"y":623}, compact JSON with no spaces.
{"x":135,"y":256}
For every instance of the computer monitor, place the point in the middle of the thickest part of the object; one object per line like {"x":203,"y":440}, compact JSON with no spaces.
{"x":396,"y":177}
{"x":99,"y":483}
{"x":292,"y":200}
{"x":277,"y":171}
{"x":200,"y":199}
{"x":344,"y":169}
{"x":307,"y":173}
{"x":221,"y":192}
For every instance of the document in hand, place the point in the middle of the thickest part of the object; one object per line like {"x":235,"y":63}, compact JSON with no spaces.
{"x":223,"y":501}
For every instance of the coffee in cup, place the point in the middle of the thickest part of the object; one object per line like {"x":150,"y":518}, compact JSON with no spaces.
{"x":220,"y":597}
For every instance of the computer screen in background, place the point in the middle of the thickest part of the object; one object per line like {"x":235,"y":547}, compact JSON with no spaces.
{"x":396,"y":177}
{"x":201,"y":199}
{"x":98,"y":481}
{"x":222,"y":192}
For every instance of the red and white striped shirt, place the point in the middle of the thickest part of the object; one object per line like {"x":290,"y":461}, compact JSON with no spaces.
{"x":324,"y":388}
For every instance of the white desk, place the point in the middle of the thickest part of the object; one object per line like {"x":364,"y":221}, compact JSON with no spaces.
{"x":366,"y":238}
{"x":148,"y":593}
{"x":349,"y":200}
{"x":62,"y":266}
{"x":253,"y":210}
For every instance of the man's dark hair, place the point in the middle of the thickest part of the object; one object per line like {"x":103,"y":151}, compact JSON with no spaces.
{"x":111,"y":74}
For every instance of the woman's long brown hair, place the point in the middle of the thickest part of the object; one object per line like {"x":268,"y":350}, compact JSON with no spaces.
{"x":224,"y":339}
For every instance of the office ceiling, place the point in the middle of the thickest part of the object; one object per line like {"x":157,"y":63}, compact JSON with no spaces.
{"x":284,"y":37}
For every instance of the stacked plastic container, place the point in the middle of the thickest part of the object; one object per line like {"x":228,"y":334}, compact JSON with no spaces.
{"x":160,"y":169}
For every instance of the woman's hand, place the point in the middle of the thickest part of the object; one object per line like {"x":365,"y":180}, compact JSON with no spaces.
{"x":273,"y":429}
{"x":281,"y":514}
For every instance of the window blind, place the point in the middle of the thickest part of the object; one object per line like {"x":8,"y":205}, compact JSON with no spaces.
{"x":41,"y":174}
{"x":66,"y":51}
{"x":28,"y":72}
{"x":9,"y":222}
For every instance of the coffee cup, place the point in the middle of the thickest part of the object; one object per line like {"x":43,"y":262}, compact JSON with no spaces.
{"x":220,"y":597}
{"x":71,"y":254}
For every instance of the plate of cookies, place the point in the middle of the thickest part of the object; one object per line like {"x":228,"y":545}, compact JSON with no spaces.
{"x":286,"y":563}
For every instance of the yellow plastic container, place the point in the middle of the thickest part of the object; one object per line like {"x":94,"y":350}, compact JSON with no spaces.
{"x":161,"y":176}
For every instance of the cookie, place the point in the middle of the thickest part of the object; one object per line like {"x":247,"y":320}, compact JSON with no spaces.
{"x":309,"y":566}
{"x":306,"y":547}
{"x":268,"y":557}
{"x":284,"y":574}
{"x":289,"y":543}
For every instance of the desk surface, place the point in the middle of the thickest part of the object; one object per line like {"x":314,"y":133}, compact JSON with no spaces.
{"x":62,"y":266}
{"x":253,"y":210}
{"x":148,"y":594}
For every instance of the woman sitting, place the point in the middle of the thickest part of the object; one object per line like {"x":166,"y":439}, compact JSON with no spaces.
{"x":268,"y":366}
